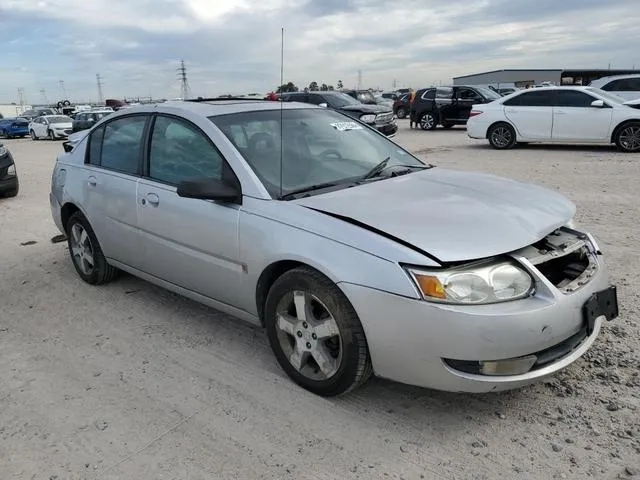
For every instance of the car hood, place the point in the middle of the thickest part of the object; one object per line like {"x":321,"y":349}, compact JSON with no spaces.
{"x":452,"y":216}
{"x":366,"y":108}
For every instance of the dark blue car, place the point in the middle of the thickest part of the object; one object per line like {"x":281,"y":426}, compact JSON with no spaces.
{"x":14,"y":127}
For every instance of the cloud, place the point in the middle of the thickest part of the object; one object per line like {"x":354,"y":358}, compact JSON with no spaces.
{"x":234,"y":46}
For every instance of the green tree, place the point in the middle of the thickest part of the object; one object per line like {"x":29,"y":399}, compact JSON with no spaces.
{"x":324,"y":87}
{"x":331,"y":89}
{"x":287,"y":87}
{"x":313,"y":87}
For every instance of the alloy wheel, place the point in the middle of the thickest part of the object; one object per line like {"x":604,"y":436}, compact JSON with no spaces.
{"x":309,"y":335}
{"x":427,"y":121}
{"x":630,"y":138}
{"x":501,"y":137}
{"x":82,"y":249}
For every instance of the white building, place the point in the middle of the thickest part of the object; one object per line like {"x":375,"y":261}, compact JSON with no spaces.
{"x":13,"y":110}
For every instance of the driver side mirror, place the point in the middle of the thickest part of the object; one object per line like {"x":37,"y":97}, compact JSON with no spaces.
{"x":209,"y":189}
{"x":323,"y":105}
{"x":598,"y":104}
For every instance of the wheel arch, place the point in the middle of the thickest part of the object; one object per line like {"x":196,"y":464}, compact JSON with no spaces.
{"x":621,"y":125}
{"x":66,"y":211}
{"x":498,"y":122}
{"x":271,"y":273}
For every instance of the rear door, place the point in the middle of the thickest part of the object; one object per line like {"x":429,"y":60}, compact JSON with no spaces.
{"x":445,"y":104}
{"x":114,"y":159}
{"x":574,"y":119}
{"x":531,"y":113}
{"x":188,"y":242}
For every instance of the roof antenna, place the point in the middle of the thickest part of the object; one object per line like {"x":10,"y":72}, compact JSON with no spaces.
{"x":281,"y":102}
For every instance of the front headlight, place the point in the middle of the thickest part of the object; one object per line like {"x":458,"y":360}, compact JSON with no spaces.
{"x":474,"y":284}
{"x":3,"y":151}
{"x":368,"y":118}
{"x":11,"y":171}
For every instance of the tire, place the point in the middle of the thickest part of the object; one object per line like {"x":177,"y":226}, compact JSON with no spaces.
{"x":627,"y":137}
{"x":81,"y":240}
{"x":51,"y":135}
{"x":337,"y":337}
{"x":401,"y":113}
{"x":33,"y":135}
{"x":428,"y":121}
{"x":447,"y":125}
{"x":501,"y":136}
{"x":66,"y":103}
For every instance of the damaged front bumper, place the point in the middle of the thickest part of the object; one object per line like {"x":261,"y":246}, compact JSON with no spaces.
{"x":482,"y":348}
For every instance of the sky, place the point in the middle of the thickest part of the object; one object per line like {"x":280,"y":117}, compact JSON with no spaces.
{"x":233,"y":46}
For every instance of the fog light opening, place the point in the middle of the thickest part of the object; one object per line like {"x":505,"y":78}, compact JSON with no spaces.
{"x":510,"y":366}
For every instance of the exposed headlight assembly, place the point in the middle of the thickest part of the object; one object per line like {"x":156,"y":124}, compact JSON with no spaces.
{"x":11,"y":171}
{"x":3,"y":151}
{"x":368,"y":118}
{"x":473,"y":284}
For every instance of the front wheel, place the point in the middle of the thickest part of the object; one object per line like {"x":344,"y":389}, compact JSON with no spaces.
{"x":501,"y":136}
{"x":401,"y":113}
{"x":33,"y":135}
{"x":86,"y":253}
{"x":428,"y":121}
{"x":628,"y":138}
{"x":315,"y":333}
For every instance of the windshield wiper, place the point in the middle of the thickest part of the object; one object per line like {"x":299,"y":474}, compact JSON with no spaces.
{"x":310,"y":188}
{"x":384,"y":164}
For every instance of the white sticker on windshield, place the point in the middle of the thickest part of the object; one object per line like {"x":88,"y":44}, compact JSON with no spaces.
{"x":345,"y":126}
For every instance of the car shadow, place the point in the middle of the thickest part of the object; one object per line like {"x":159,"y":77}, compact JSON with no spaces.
{"x":548,"y":147}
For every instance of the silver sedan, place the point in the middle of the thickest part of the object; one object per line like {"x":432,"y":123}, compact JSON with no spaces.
{"x":357,"y":257}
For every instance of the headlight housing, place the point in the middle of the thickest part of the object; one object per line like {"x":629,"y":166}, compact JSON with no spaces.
{"x":474,"y":284}
{"x":11,"y":171}
{"x":368,"y":118}
{"x":3,"y":151}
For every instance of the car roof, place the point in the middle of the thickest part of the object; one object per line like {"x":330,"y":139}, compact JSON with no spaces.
{"x":224,"y":107}
{"x":614,"y":77}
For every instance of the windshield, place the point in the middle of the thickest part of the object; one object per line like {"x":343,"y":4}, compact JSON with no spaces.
{"x":488,"y":93}
{"x":606,"y":95}
{"x":320,"y":146}
{"x":366,"y":97}
{"x":339,"y":99}
{"x":59,"y":119}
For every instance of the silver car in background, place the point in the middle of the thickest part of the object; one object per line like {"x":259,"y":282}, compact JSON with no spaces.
{"x":356,"y":256}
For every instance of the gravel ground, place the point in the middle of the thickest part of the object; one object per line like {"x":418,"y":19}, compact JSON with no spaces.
{"x":128,"y":381}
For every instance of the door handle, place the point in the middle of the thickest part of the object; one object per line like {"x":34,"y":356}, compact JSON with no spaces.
{"x":153,"y":199}
{"x":92,"y":181}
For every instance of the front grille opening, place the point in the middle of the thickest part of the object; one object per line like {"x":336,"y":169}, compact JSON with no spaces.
{"x":561,"y":271}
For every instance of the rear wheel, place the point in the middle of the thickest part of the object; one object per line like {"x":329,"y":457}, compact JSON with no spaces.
{"x":428,"y":121}
{"x":86,"y":253}
{"x":628,"y":137}
{"x":33,"y":135}
{"x":315,"y":333}
{"x":501,"y":136}
{"x":401,"y":113}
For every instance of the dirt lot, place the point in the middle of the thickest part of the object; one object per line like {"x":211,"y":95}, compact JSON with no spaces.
{"x":128,"y":381}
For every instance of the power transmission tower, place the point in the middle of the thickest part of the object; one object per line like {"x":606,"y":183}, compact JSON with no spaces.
{"x":21,"y":96}
{"x":43,"y":93}
{"x":99,"y":82}
{"x":359,"y":79}
{"x":63,"y":92}
{"x":185,"y":91}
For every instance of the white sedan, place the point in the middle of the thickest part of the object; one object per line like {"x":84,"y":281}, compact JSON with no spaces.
{"x":557,"y":114}
{"x":51,"y":127}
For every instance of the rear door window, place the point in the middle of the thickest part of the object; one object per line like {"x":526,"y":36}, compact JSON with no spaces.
{"x":122,"y":144}
{"x":544,"y":98}
{"x":444,"y":92}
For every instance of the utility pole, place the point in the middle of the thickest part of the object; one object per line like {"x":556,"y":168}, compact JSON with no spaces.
{"x":359,"y":79}
{"x":63,"y":92}
{"x":99,"y":82}
{"x":395,"y":84}
{"x":21,"y":96}
{"x":184,"y":84}
{"x":43,"y":93}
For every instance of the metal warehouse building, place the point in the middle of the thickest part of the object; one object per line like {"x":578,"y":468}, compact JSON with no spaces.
{"x":522,"y":78}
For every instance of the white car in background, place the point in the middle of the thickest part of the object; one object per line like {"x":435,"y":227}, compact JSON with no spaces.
{"x":557,"y":114}
{"x":625,"y":86}
{"x":51,"y":126}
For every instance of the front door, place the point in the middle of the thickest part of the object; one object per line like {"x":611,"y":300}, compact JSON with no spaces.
{"x":574,"y":119}
{"x":465,"y":99}
{"x":188,"y":242}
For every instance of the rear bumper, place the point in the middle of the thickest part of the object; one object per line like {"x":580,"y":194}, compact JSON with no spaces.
{"x":477,"y":129}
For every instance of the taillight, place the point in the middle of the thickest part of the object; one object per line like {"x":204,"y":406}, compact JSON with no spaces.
{"x":475,"y":113}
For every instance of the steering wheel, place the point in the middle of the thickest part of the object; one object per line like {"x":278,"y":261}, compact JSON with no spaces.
{"x":331,"y":153}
